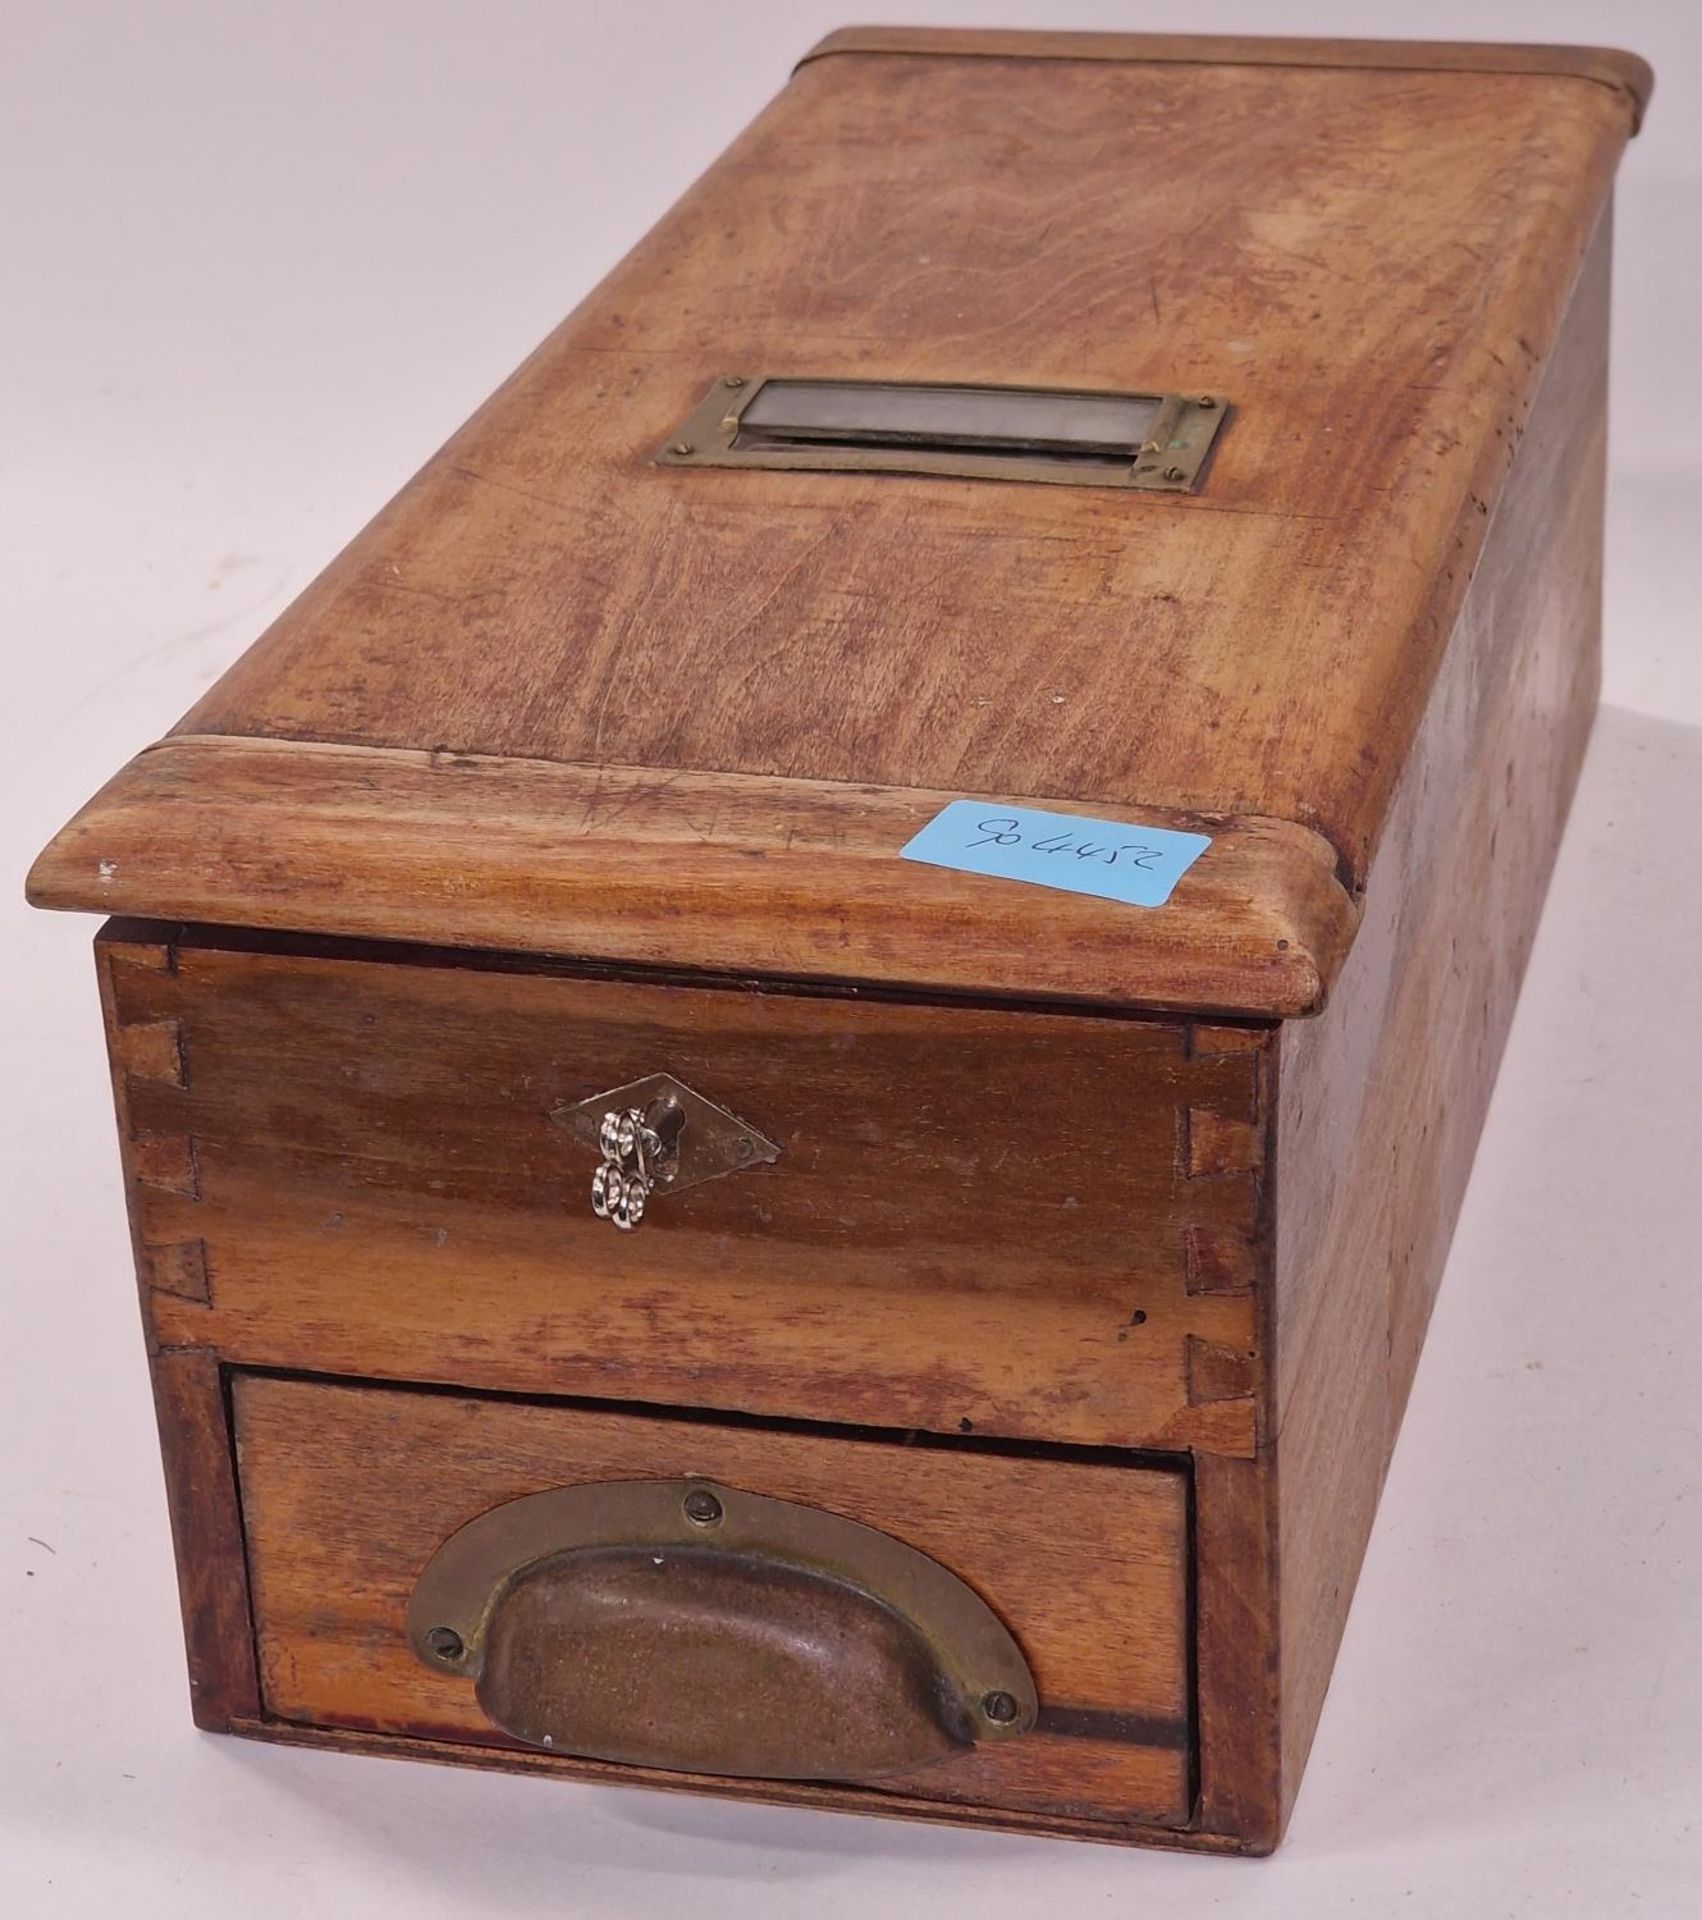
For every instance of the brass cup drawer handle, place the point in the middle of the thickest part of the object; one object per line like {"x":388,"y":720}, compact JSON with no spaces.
{"x":687,"y":1626}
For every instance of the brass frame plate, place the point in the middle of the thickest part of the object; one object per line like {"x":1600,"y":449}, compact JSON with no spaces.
{"x":1170,"y":460}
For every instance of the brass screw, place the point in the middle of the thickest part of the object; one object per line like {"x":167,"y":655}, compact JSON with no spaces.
{"x":1000,"y":1708}
{"x":1174,"y":473}
{"x":683,"y":446}
{"x":702,"y":1509}
{"x":446,"y":1643}
{"x":734,"y":380}
{"x":1207,"y":400}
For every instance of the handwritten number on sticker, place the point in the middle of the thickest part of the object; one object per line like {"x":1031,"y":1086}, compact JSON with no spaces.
{"x":1066,"y":851}
{"x":1006,"y":833}
{"x":998,"y":833}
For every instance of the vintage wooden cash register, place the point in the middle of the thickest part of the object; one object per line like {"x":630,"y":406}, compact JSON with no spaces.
{"x":795,"y":1060}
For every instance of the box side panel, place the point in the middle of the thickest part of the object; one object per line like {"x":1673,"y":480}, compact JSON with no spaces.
{"x":206,"y":1530}
{"x":981,"y":1219}
{"x":1236,"y":1650}
{"x":188,"y":1384}
{"x":1382,"y":1098}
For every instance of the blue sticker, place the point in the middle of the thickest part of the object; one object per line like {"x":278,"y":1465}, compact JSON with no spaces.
{"x":1108,"y":858}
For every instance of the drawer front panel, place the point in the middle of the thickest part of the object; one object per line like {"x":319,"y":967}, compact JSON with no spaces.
{"x":348,"y":1492}
{"x":1027,"y":1224}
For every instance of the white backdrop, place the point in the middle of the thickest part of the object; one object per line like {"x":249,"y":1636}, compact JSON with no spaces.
{"x":258,"y":261}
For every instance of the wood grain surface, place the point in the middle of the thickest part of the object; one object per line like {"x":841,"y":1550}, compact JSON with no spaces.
{"x":1612,"y":67}
{"x":349,"y":1491}
{"x":651,"y":740}
{"x":1079,"y":1824}
{"x":188,"y":1382}
{"x":721,"y":871}
{"x":981,"y":1219}
{"x":1382,"y":1099}
{"x":206,"y":1528}
{"x":1371,"y":264}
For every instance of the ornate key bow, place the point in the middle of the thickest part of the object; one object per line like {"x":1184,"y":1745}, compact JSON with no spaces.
{"x":636,"y":1154}
{"x":656,"y":1132}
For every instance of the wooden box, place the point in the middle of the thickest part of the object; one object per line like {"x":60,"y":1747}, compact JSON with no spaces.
{"x":646,"y":1281}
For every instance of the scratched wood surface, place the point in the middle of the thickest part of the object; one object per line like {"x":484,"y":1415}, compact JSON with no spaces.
{"x":1382,"y":1099}
{"x":189,"y":1408}
{"x":623,"y":718}
{"x":1372,"y":264}
{"x":986,"y":1220}
{"x":723,"y":871}
{"x":1611,"y":67}
{"x":349,"y":1491}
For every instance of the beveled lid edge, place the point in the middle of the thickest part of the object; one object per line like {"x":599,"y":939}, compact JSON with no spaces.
{"x":717,"y":873}
{"x":1627,"y":73}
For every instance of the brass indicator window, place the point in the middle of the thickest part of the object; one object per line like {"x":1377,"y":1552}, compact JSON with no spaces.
{"x":1109,"y":425}
{"x":1144,"y":440}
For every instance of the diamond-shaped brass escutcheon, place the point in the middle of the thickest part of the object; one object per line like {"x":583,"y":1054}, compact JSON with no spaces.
{"x":681,"y":1140}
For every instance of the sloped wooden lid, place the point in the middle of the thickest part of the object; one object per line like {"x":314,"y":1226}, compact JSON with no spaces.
{"x":561,"y":698}
{"x":1627,"y":73}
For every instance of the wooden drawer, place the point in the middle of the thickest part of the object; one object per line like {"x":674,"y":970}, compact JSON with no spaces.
{"x":1008,"y":1222}
{"x":348,"y":1492}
